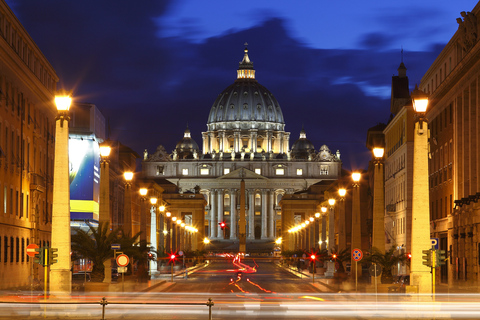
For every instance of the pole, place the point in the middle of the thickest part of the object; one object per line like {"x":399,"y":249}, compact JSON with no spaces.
{"x":434,"y":261}
{"x":313,"y":282}
{"x":123,"y":282}
{"x":356,"y":277}
{"x":375,"y":276}
{"x":171,"y":267}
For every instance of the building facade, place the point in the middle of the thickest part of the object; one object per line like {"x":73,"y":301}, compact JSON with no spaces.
{"x":245,"y":140}
{"x":27,"y":128}
{"x":452,"y":82}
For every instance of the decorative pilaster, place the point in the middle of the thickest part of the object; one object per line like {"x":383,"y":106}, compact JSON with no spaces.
{"x":233,"y":214}
{"x":264,"y":214}
{"x":220,"y":232}
{"x":213,"y":212}
{"x":251,"y":214}
{"x":271,"y":214}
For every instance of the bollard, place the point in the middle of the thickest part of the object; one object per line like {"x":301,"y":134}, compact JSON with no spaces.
{"x":210,"y":305}
{"x":186,"y":273}
{"x":103,"y":303}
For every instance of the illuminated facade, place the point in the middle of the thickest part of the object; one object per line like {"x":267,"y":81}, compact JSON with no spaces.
{"x":245,"y":140}
{"x":27,"y":127}
{"x":452,"y":82}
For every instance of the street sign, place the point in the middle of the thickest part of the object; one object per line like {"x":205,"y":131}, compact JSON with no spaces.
{"x":121,"y":269}
{"x":122,"y":260}
{"x":115,"y":246}
{"x":357,"y":254}
{"x":434,"y":243}
{"x":31,"y":250}
{"x":375,"y":271}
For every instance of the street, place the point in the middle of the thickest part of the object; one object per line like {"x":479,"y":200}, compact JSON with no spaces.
{"x":263,"y":291}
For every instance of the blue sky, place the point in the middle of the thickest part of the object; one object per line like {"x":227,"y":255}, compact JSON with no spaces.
{"x":151,"y":67}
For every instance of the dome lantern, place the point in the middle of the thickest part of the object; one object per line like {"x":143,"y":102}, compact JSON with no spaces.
{"x":245,"y":69}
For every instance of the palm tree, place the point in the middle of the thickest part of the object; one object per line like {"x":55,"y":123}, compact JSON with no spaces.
{"x":95,"y":245}
{"x":387,"y":261}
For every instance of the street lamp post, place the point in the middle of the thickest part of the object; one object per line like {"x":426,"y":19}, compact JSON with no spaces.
{"x":356,"y":221}
{"x":104,"y":205}
{"x":420,"y":237}
{"x":143,"y":270}
{"x":378,"y":232}
{"x":168,"y":214}
{"x":323,"y":245}
{"x":342,"y":236}
{"x":127,"y":214}
{"x":317,"y":231}
{"x":153,"y":233}
{"x":60,"y":275}
{"x":331,"y":225}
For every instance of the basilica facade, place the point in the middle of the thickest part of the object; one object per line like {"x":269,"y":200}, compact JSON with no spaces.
{"x":245,"y":140}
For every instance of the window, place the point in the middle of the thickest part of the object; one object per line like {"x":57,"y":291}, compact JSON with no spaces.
{"x":185,"y":172}
{"x":23,"y":249}
{"x":226,"y":171}
{"x":5,"y":249}
{"x":226,"y":213}
{"x":203,"y":171}
{"x":17,"y":250}
{"x":258,"y":200}
{"x":159,"y":170}
{"x":279,"y":171}
{"x":257,"y":213}
{"x":324,"y":170}
{"x":11,"y":249}
{"x":28,"y":257}
{"x":299,"y":172}
{"x":258,"y":171}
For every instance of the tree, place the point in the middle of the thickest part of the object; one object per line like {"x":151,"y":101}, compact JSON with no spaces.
{"x":387,"y":261}
{"x":95,"y":245}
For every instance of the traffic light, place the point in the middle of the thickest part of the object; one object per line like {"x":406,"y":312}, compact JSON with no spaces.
{"x":334,"y":256}
{"x":40,"y":256}
{"x":409,"y":256}
{"x":173,"y":257}
{"x":428,"y":258}
{"x":222,"y":225}
{"x":52,"y":256}
{"x":312,"y":257}
{"x":440,"y":257}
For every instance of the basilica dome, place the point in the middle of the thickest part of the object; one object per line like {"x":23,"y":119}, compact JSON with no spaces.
{"x":246,"y":104}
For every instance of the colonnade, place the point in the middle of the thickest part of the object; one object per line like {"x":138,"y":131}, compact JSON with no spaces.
{"x":217,"y":213}
{"x":271,"y":141}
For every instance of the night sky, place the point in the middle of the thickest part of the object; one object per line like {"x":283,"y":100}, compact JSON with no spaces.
{"x":151,"y":67}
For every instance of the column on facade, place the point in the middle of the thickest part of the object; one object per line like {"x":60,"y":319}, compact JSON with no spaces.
{"x":220,"y":213}
{"x":253,"y":140}
{"x":236,"y":141}
{"x":251,"y":214}
{"x":324,"y":232}
{"x":269,"y":141}
{"x":205,"y":143}
{"x":212,"y":142}
{"x":213,"y":212}
{"x":280,"y":143}
{"x":286,"y":141}
{"x":271,"y":214}
{"x":264,"y":214}
{"x":220,"y":140}
{"x":233,"y":214}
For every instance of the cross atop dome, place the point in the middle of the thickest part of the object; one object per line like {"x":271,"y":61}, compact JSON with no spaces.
{"x":245,"y":69}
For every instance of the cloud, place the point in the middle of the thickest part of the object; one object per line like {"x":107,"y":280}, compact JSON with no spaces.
{"x":150,"y":87}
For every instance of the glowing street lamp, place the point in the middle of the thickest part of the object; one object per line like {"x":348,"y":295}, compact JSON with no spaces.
{"x":420,"y":230}
{"x":356,"y":223}
{"x":60,"y":275}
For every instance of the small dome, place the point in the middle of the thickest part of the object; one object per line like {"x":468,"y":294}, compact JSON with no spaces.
{"x":303,"y":147}
{"x":187,"y":147}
